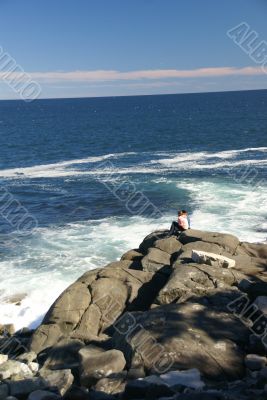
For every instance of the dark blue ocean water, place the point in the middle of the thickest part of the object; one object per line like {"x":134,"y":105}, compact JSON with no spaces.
{"x":75,"y":164}
{"x":50,"y":131}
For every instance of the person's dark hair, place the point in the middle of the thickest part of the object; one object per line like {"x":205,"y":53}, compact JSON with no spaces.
{"x":184,"y":212}
{"x":180,"y":213}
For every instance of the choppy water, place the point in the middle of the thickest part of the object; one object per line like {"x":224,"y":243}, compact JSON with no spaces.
{"x":97,"y":175}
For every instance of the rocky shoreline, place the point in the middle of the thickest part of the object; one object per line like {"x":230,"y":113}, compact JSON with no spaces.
{"x":178,"y":318}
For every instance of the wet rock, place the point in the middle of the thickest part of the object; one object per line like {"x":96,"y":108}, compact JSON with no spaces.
{"x":15,"y":298}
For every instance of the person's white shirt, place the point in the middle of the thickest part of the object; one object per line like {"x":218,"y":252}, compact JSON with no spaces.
{"x":183,"y":222}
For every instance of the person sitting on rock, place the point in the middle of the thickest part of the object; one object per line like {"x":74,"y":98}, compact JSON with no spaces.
{"x":176,"y":228}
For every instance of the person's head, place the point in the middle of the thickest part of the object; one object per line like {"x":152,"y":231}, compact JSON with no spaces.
{"x":184,"y":212}
{"x":180,"y":213}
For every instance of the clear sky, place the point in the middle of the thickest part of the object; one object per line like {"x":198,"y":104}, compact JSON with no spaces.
{"x":80,"y":48}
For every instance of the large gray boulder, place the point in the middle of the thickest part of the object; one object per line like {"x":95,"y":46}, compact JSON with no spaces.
{"x":226,"y":241}
{"x":89,"y":307}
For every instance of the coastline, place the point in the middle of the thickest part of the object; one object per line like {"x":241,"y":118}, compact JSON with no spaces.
{"x":148,"y":287}
{"x":97,"y":249}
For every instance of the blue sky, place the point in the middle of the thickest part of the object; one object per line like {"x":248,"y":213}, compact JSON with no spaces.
{"x":63,"y":44}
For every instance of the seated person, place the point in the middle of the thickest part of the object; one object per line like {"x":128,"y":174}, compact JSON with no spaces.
{"x":181,"y":224}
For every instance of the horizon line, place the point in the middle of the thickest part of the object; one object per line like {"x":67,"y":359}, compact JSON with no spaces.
{"x":138,"y":95}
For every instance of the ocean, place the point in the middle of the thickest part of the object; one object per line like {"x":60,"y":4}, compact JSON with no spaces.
{"x":84,"y":180}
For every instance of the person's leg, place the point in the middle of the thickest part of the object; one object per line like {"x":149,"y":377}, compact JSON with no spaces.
{"x":173,"y":228}
{"x":179,"y":230}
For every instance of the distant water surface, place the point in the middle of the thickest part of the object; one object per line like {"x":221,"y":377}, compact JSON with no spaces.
{"x":72,"y":163}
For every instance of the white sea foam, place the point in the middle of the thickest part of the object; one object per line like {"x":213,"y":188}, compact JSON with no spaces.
{"x":57,"y":169}
{"x":228,"y":207}
{"x":184,"y":161}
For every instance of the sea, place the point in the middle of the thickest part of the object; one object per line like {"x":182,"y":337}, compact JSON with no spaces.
{"x":84,"y":180}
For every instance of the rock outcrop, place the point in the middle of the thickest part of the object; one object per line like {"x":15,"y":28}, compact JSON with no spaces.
{"x":173,"y":312}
